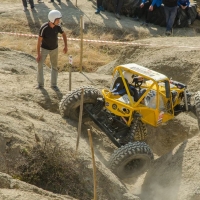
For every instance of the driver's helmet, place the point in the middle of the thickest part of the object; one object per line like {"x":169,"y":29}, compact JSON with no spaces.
{"x":53,"y":15}
{"x":128,"y":76}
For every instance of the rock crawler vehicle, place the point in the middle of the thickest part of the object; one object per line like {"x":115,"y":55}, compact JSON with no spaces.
{"x":137,"y":96}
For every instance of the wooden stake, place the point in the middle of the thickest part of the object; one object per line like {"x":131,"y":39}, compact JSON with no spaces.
{"x":94,"y":166}
{"x":80,"y":120}
{"x":70,"y":73}
{"x":81,"y":43}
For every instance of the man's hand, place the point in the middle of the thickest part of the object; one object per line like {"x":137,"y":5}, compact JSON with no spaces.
{"x":183,"y":7}
{"x":38,"y":58}
{"x":141,"y":5}
{"x":150,"y":8}
{"x":65,"y":50}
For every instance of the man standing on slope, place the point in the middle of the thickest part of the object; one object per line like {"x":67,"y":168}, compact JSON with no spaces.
{"x":48,"y":44}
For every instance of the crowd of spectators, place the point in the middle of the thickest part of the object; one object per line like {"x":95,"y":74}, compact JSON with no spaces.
{"x":172,"y":9}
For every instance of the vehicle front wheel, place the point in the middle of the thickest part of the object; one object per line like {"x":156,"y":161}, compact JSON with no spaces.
{"x":70,"y":103}
{"x":131,"y":160}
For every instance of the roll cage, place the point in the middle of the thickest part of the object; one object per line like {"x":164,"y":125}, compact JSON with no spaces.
{"x":156,"y":87}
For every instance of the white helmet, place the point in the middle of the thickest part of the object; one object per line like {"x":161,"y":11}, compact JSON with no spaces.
{"x":128,"y":76}
{"x":53,"y":15}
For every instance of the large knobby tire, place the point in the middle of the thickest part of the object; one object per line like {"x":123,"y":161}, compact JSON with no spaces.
{"x":197,"y":107}
{"x":141,"y":133}
{"x":70,"y":104}
{"x":137,"y":132}
{"x":131,"y":160}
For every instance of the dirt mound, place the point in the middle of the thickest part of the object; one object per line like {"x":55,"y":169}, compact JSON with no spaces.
{"x":12,"y":62}
{"x":175,"y":175}
{"x":177,"y":61}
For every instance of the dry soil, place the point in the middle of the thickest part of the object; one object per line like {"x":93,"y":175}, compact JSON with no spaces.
{"x":24,"y":111}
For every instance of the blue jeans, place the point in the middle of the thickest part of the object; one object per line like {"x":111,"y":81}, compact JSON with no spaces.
{"x":170,"y":14}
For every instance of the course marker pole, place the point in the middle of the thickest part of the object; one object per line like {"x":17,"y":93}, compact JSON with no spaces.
{"x":70,"y":73}
{"x":94,"y":166}
{"x":81,"y":43}
{"x":80,"y":120}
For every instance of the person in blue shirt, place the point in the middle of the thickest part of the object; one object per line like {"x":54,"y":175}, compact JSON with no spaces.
{"x":184,"y":5}
{"x":147,"y":7}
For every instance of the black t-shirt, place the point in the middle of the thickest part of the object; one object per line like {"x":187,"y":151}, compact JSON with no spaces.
{"x":170,"y":3}
{"x":50,"y":36}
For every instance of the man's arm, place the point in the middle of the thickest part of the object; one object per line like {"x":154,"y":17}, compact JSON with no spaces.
{"x":65,"y":42}
{"x":38,"y":48}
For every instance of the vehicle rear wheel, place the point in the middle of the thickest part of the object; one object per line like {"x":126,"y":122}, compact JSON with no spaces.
{"x":197,"y":107}
{"x":141,"y":132}
{"x":70,"y":103}
{"x":137,"y":132}
{"x":131,"y":160}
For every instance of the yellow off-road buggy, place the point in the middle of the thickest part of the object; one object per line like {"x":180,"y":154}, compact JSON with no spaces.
{"x":137,"y":96}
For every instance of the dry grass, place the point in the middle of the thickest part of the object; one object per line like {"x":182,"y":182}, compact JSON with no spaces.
{"x":94,"y":55}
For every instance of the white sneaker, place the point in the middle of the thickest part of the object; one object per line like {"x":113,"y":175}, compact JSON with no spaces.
{"x":189,"y":21}
{"x":25,"y":9}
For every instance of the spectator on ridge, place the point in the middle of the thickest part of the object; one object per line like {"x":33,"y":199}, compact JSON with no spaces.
{"x":99,"y":6}
{"x":31,"y":2}
{"x":118,"y":6}
{"x":184,"y":5}
{"x":147,"y":7}
{"x":170,"y":7}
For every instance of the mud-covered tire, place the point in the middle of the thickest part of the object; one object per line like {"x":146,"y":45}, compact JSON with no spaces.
{"x":137,"y":132}
{"x":70,"y":103}
{"x":141,"y":133}
{"x":197,"y":107}
{"x":131,"y":160}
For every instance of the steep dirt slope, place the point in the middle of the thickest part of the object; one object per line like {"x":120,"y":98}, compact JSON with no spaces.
{"x":26,"y":112}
